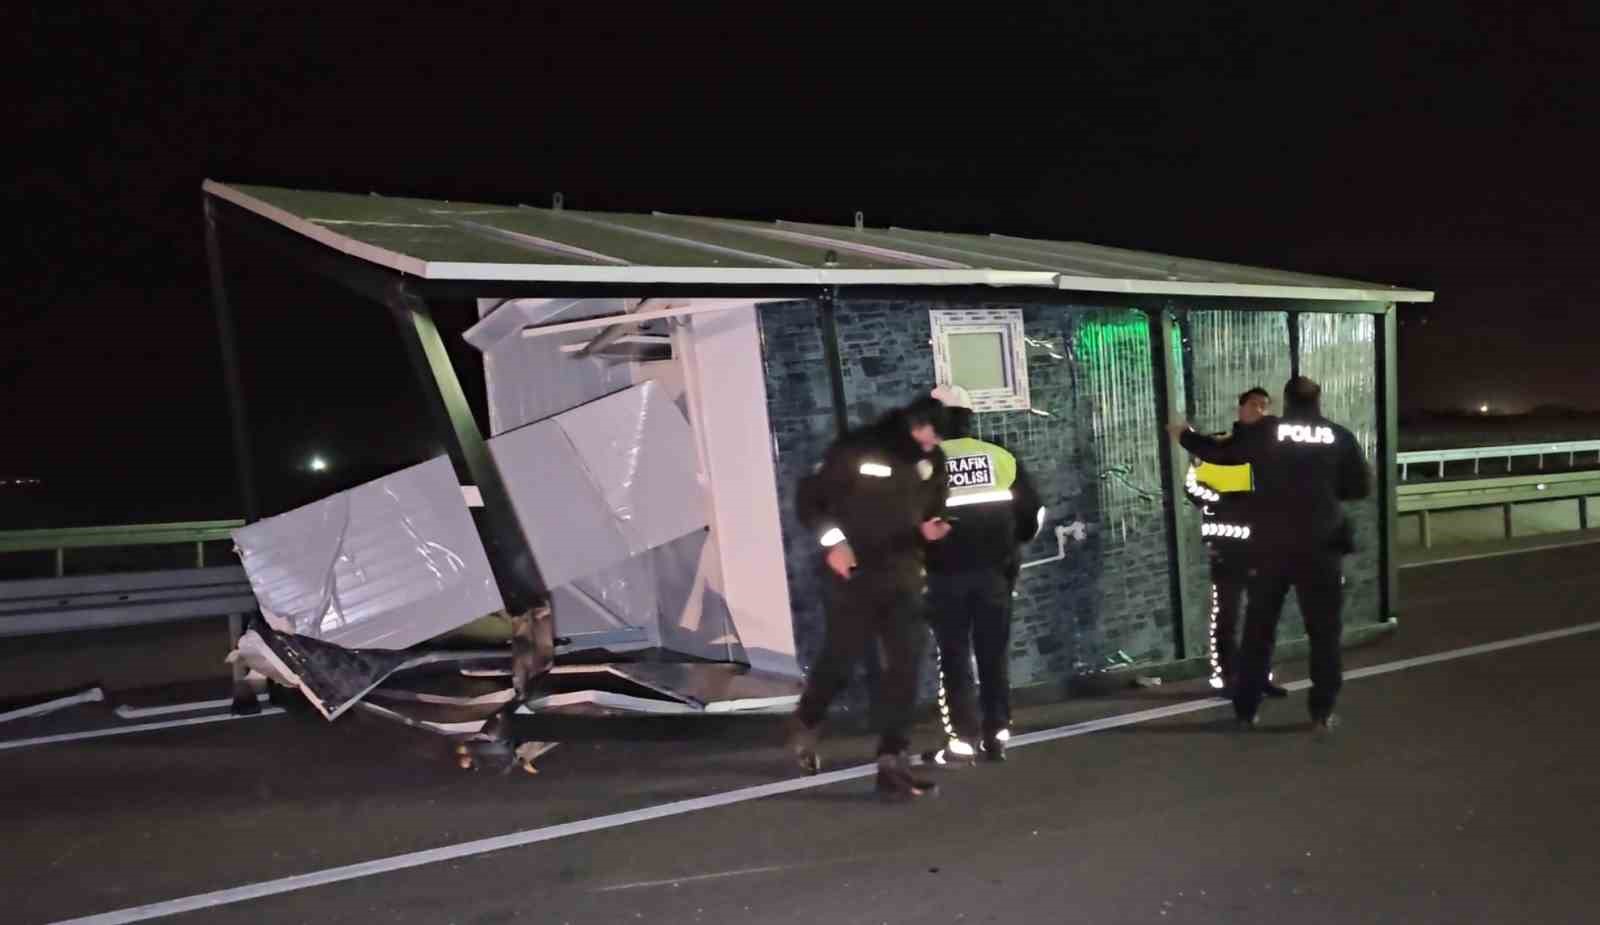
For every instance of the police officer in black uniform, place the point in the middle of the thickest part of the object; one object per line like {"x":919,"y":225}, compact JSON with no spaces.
{"x":993,"y":509}
{"x":1224,"y":495}
{"x":873,"y":505}
{"x":1304,"y":467}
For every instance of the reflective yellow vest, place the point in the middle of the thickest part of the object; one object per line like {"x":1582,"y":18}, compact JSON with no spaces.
{"x":1225,"y":479}
{"x":979,"y":472}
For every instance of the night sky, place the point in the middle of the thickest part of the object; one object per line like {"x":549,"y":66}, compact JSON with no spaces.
{"x":1447,"y":147}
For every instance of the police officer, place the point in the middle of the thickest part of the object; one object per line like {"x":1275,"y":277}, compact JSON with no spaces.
{"x":993,"y":509}
{"x":1304,"y":466}
{"x":1223,"y":495}
{"x":873,"y":505}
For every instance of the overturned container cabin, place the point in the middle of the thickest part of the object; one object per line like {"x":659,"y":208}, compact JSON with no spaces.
{"x":656,"y":385}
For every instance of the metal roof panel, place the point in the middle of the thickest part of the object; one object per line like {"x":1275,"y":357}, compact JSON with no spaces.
{"x":449,"y":240}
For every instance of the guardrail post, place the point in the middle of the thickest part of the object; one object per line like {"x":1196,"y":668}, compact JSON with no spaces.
{"x":61,"y":561}
{"x":1427,"y":529}
{"x":1583,"y":513}
{"x":1506,"y":511}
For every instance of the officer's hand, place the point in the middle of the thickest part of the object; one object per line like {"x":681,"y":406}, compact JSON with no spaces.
{"x":842,"y":559}
{"x":935,"y":529}
{"x":1177,"y":427}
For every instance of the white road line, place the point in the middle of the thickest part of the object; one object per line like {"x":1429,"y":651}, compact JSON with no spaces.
{"x":125,"y":730}
{"x":194,"y":706}
{"x":742,"y":872}
{"x":616,"y":820}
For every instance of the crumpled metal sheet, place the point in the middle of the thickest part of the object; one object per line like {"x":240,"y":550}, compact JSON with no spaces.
{"x":385,"y":565}
{"x":531,"y":378}
{"x":332,"y":678}
{"x":639,"y":450}
{"x":603,"y":482}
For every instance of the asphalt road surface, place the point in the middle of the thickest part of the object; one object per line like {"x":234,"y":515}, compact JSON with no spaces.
{"x":1464,"y":789}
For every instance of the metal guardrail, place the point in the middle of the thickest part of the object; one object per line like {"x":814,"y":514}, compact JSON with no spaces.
{"x":64,"y":604}
{"x":1504,"y":492}
{"x":199,"y":532}
{"x":1572,"y":448}
{"x":42,"y":606}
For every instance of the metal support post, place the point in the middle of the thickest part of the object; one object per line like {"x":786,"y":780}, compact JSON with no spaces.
{"x":61,"y":562}
{"x":1181,"y":542}
{"x":1294,"y":343}
{"x":830,"y":351}
{"x":510,"y":556}
{"x":522,"y":587}
{"x":1583,"y":513}
{"x":227,"y":335}
{"x":1427,"y":529}
{"x":1505,"y":510}
{"x":244,"y":699}
{"x":1388,"y":453}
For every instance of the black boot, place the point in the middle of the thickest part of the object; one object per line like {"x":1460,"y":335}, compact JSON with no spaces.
{"x":1274,"y":691}
{"x":994,"y":746}
{"x":896,"y":784}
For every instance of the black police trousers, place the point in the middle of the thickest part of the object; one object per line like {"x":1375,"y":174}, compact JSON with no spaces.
{"x":971,"y":615}
{"x":881,"y":604}
{"x":1229,"y":576}
{"x":1319,"y":586}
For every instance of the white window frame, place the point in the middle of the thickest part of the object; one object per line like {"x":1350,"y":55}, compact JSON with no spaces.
{"x":1007,"y":322}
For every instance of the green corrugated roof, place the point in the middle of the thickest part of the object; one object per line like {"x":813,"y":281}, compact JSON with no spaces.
{"x":438,"y":239}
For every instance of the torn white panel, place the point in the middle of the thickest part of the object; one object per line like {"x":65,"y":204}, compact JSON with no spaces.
{"x":572,"y":532}
{"x":532,"y":379}
{"x":638,"y":449}
{"x":783,"y":704}
{"x":499,"y":319}
{"x":601,"y":483}
{"x":385,"y":565}
{"x":611,"y":601}
{"x":607,"y":700}
{"x":727,"y":386}
{"x":631,"y":704}
{"x":694,"y":616}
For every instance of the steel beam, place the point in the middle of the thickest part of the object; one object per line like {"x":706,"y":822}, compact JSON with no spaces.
{"x":228,"y":337}
{"x":1294,"y":343}
{"x":1388,"y":470}
{"x":510,"y":556}
{"x":244,"y":699}
{"x":827,"y":316}
{"x":1180,"y":540}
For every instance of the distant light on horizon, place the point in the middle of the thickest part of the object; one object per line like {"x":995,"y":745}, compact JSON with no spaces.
{"x":318,"y":464}
{"x":1483,"y":409}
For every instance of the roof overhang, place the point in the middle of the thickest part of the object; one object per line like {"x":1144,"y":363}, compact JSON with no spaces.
{"x":936,"y":271}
